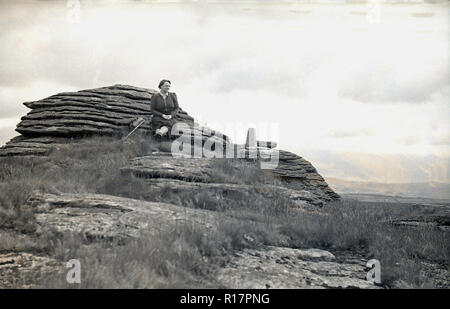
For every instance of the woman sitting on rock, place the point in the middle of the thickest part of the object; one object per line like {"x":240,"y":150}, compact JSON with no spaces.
{"x":164,"y":107}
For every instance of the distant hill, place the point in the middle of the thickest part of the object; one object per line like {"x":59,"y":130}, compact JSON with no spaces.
{"x":419,"y":189}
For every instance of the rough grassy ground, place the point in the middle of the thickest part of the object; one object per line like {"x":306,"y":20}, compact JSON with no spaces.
{"x":186,"y":256}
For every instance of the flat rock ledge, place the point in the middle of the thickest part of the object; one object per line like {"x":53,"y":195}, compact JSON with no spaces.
{"x":287,"y":268}
{"x":204,"y":170}
{"x":111,"y":217}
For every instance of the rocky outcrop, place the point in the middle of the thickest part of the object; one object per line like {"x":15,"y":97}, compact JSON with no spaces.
{"x":287,"y":268}
{"x":300,"y":199}
{"x":111,"y":217}
{"x":30,"y":146}
{"x":18,"y":269}
{"x":99,"y":217}
{"x":103,"y":111}
{"x":114,"y":110}
{"x":196,"y":175}
{"x":111,"y":110}
{"x":301,"y":172}
{"x":300,"y":177}
{"x":160,"y":165}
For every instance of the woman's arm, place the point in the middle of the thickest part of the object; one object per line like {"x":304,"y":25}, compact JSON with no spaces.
{"x":176,"y":106}
{"x":153,"y":106}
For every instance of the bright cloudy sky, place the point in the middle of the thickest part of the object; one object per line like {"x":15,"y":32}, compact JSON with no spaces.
{"x":360,"y":90}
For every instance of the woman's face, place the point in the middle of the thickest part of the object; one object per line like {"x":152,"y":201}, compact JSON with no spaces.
{"x":165,"y":87}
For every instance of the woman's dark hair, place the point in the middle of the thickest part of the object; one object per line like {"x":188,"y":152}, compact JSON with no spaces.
{"x":162,"y":83}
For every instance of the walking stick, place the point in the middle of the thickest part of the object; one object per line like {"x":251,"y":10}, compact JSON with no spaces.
{"x":143,"y":120}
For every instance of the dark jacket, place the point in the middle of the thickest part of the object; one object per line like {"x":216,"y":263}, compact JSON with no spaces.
{"x":159,"y":106}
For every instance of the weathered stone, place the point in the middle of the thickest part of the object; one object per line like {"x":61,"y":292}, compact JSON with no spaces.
{"x":31,"y":146}
{"x":204,"y":170}
{"x":112,"y":110}
{"x":296,"y":169}
{"x":111,"y":217}
{"x":98,"y":216}
{"x":191,"y":169}
{"x":301,"y":199}
{"x":103,"y":111}
{"x":287,"y":268}
{"x":18,"y":270}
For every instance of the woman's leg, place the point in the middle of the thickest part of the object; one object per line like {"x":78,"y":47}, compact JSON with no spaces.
{"x":161,"y":131}
{"x":164,"y":130}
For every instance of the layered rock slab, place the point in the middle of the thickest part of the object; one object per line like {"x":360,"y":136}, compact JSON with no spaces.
{"x":299,"y":171}
{"x":205,"y":170}
{"x":300,"y":199}
{"x":109,"y":217}
{"x":112,"y":110}
{"x":18,"y":269}
{"x":102,"y":111}
{"x":108,"y":111}
{"x":287,"y":268}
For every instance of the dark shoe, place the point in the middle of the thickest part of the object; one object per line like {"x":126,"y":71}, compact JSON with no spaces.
{"x":157,"y":138}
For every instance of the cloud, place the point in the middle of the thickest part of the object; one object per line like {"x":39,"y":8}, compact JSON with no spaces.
{"x":7,"y":126}
{"x":408,"y":140}
{"x":12,"y":97}
{"x":379,"y":84}
{"x":323,"y":76}
{"x":387,"y":168}
{"x":441,"y":140}
{"x":340,"y":133}
{"x":238,"y":50}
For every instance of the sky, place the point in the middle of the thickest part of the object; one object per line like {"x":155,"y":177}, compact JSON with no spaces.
{"x":361,"y":90}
